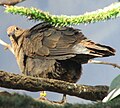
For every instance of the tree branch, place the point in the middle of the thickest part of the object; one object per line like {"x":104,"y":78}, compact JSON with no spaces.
{"x":106,"y":13}
{"x":7,"y":46}
{"x":15,"y":81}
{"x":105,"y":63}
{"x":8,"y":100}
{"x":10,"y":2}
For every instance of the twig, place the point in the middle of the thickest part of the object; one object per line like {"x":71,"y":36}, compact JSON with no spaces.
{"x":22,"y":82}
{"x":102,"y":62}
{"x":7,"y":46}
{"x":10,"y":2}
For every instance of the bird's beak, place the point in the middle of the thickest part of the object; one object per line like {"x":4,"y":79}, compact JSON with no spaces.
{"x":11,"y":34}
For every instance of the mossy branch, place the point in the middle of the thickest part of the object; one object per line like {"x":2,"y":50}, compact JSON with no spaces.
{"x":106,"y":13}
{"x":8,"y":100}
{"x":22,"y":82}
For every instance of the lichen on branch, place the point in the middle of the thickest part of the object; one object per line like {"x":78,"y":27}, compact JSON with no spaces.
{"x":106,"y":13}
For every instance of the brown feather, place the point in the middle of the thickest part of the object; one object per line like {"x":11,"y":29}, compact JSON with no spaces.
{"x":54,"y":52}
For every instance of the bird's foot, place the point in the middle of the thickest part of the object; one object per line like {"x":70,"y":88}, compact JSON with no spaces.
{"x":64,"y":99}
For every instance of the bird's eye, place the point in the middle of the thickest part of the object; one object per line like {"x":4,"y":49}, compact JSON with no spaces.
{"x":16,"y":28}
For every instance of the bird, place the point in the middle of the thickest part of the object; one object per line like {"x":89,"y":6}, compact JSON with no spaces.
{"x":10,"y":2}
{"x":54,"y":52}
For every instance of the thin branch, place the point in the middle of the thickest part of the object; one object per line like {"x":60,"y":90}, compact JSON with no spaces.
{"x":22,"y":82}
{"x":106,"y":13}
{"x":10,"y":2}
{"x":102,"y":62}
{"x":7,"y":46}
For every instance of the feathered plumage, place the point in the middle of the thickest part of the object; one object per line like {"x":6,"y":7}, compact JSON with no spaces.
{"x":54,"y":52}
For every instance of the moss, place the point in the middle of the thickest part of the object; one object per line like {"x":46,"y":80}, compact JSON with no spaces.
{"x":24,"y":101}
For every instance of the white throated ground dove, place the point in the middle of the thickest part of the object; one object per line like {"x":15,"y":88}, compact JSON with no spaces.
{"x":54,"y":52}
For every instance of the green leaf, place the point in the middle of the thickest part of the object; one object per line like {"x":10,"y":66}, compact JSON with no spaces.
{"x":115,"y":83}
{"x":114,"y":89}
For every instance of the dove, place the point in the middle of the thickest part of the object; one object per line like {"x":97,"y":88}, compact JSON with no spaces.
{"x":54,"y":52}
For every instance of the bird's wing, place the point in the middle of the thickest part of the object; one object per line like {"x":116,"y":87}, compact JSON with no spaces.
{"x":44,"y":40}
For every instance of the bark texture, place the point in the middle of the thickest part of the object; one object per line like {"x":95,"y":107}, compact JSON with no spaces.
{"x":22,"y":82}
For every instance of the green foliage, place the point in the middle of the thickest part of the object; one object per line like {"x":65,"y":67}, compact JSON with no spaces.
{"x":114,"y":89}
{"x":23,"y":101}
{"x":115,"y":83}
{"x":107,"y":13}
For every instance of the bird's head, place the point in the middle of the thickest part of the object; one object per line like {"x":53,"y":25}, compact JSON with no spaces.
{"x":14,"y":33}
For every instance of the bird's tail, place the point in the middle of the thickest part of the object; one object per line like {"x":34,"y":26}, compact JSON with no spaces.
{"x":98,"y":50}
